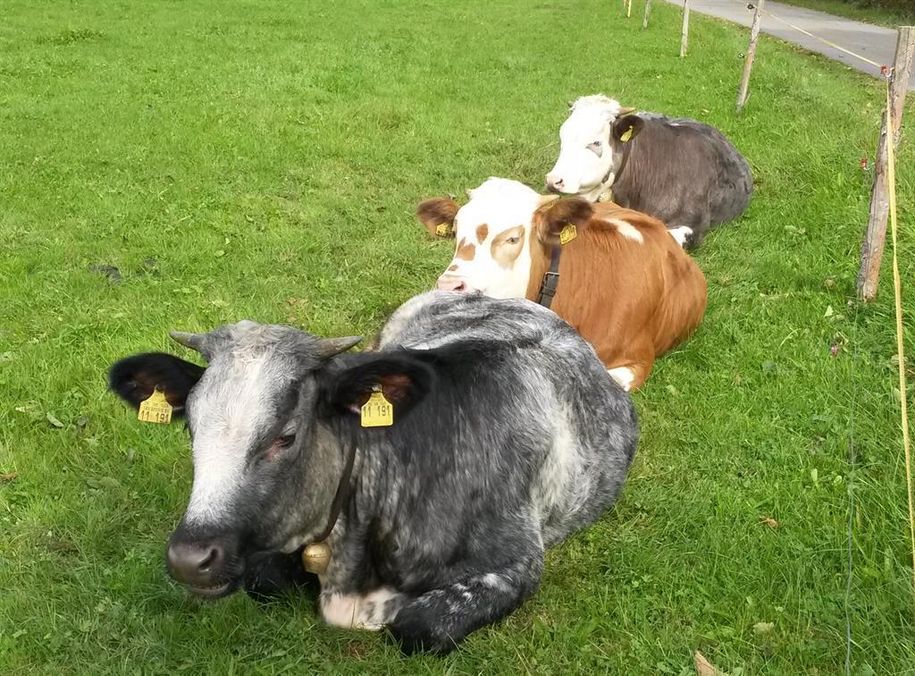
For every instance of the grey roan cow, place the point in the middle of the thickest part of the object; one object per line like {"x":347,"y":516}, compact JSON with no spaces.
{"x":508,"y":435}
{"x":682,"y":172}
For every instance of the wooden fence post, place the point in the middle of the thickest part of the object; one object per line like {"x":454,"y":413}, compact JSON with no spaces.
{"x":628,"y":8}
{"x":684,"y":35}
{"x":647,"y":12}
{"x":751,"y":55}
{"x":875,"y":237}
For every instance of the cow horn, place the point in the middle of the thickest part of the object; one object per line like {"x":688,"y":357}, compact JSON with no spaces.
{"x":328,"y":347}
{"x":195,"y":341}
{"x":625,"y":110}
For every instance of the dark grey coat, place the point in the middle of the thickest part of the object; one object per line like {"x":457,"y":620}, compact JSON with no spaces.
{"x":681,"y":171}
{"x":508,"y":436}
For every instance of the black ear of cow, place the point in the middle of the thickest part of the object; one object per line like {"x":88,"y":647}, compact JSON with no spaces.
{"x":404,"y":380}
{"x":135,"y":378}
{"x":627,"y":128}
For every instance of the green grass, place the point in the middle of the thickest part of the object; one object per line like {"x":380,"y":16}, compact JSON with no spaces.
{"x":263,"y":160}
{"x":882,"y":16}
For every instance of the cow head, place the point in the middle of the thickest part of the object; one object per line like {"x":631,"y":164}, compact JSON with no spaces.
{"x":495,"y":241}
{"x":262,"y":415}
{"x":592,"y":141}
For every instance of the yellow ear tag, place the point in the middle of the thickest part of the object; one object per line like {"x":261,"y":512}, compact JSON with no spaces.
{"x":568,"y":233}
{"x":626,"y":135}
{"x":156,"y":409}
{"x":443,"y":229}
{"x":377,"y":411}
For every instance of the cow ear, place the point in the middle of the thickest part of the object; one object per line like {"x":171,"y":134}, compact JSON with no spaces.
{"x":438,"y":216}
{"x":627,"y":128}
{"x":403,"y":378}
{"x":135,"y":378}
{"x":554,"y":216}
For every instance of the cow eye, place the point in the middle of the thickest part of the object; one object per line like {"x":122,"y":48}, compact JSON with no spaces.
{"x":284,"y":441}
{"x":596,"y":148}
{"x":512,"y":240}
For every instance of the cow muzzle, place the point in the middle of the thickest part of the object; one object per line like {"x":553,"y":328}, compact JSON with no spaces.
{"x":555,"y":184}
{"x":452,"y":283}
{"x":208,"y":567}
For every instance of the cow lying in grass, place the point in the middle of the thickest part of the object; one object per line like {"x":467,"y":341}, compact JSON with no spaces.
{"x":507,"y":436}
{"x":680,"y":171}
{"x":621,"y":281}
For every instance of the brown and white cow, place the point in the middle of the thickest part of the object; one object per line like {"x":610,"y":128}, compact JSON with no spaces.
{"x":624,"y":283}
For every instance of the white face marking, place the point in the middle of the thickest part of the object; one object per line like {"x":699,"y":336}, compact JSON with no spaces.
{"x":624,"y":376}
{"x":628,"y":230}
{"x":585,"y":153}
{"x":680,"y":234}
{"x":224,"y":419}
{"x":354,"y":611}
{"x":506,"y":208}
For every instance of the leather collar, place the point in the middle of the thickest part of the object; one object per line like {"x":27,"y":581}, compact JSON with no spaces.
{"x":550,"y":283}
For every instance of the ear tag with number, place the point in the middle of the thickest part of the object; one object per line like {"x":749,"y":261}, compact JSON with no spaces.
{"x":626,"y":135}
{"x":156,"y":409}
{"x":568,"y":233}
{"x":443,"y":229}
{"x":377,"y":411}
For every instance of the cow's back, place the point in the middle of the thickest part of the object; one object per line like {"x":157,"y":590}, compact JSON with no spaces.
{"x":684,"y":173}
{"x":629,"y":290}
{"x":536,"y":407}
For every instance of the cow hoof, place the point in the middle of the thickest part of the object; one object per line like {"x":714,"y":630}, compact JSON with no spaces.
{"x":414,"y":637}
{"x":370,"y":611}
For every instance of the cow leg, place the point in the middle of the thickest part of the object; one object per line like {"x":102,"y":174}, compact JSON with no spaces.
{"x":360,"y":611}
{"x":439,"y":619}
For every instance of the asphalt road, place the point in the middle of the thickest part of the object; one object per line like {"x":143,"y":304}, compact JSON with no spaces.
{"x":875,"y":43}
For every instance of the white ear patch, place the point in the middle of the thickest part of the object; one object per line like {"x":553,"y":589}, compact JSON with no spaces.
{"x":628,"y":230}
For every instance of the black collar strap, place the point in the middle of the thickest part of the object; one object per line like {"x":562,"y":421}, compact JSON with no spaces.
{"x":340,"y":496}
{"x":627,"y":150}
{"x":550,"y":282}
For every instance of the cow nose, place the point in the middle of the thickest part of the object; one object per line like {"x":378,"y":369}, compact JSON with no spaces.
{"x":196,"y":564}
{"x":554,"y":184}
{"x":450,"y":283}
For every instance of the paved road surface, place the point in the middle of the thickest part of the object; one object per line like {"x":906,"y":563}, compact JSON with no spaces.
{"x":873,"y":42}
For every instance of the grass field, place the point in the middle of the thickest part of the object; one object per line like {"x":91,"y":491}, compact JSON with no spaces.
{"x":263,"y":159}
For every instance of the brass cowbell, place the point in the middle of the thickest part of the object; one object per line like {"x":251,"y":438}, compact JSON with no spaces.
{"x":316,"y":557}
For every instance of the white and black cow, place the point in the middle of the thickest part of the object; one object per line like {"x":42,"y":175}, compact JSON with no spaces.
{"x":508,"y":435}
{"x":682,"y":172}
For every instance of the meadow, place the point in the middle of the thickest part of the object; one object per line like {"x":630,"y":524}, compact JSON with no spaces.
{"x":180,"y":164}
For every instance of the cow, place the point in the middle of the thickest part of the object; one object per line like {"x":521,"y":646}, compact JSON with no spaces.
{"x":618,"y":278}
{"x":682,"y":172}
{"x":507,"y":436}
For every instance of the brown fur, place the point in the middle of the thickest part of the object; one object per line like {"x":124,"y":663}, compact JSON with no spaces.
{"x":466,"y":250}
{"x":632,"y":300}
{"x":434,"y":212}
{"x":505,"y":253}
